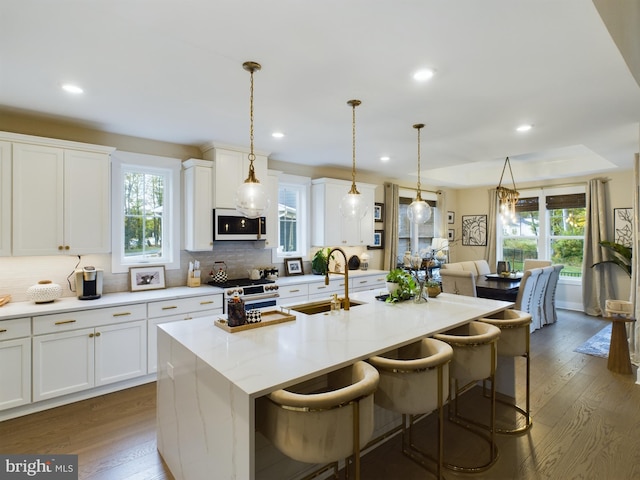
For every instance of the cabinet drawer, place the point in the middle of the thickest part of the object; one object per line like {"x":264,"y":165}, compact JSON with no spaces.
{"x":291,"y":291}
{"x":16,"y":328}
{"x":184,"y":305}
{"x":335,"y":285}
{"x":368,"y":283}
{"x":60,"y":322}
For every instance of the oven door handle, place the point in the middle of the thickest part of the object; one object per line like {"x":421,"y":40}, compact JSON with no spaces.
{"x":251,"y":298}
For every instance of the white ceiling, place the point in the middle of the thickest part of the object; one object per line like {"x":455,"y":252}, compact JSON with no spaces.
{"x":172,"y":71}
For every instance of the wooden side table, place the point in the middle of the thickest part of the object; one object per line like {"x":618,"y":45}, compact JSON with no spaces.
{"x":619,"y":312}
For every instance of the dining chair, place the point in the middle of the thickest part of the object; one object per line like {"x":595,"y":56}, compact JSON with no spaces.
{"x":537,"y":307}
{"x":534,"y":263}
{"x":460,"y":282}
{"x":549,"y":304}
{"x":524,"y":300}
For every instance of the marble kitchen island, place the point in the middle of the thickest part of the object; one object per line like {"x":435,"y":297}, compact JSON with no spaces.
{"x":209,"y":379}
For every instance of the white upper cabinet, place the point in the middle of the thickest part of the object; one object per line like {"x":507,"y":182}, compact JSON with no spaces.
{"x":198,"y":204}
{"x":328,"y":227}
{"x":61,"y":198}
{"x":230,"y":170}
{"x":5,"y":199}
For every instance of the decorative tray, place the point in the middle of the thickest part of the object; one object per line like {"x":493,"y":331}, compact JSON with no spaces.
{"x":270,"y":317}
{"x":511,"y":278}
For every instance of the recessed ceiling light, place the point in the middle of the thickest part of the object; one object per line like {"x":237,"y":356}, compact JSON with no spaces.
{"x":385,"y":159}
{"x":423,"y":75}
{"x":524,"y":128}
{"x":70,"y":88}
{"x":277,"y":134}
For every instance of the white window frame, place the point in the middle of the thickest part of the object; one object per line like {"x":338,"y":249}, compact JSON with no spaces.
{"x":303,"y":186}
{"x":544,"y":234}
{"x":167,"y":167}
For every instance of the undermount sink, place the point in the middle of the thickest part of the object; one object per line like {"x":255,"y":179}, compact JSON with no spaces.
{"x":320,"y":307}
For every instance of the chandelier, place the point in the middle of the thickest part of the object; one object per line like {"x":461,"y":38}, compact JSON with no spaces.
{"x":419,"y":211}
{"x":353,"y":206}
{"x":251,"y":197}
{"x":508,"y":197}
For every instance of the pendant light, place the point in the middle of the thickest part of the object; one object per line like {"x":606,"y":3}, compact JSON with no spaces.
{"x":353,"y":206}
{"x":251,"y":197}
{"x":419,"y":211}
{"x":508,"y":197}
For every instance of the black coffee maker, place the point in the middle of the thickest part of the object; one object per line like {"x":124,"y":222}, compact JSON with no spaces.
{"x":89,"y":283}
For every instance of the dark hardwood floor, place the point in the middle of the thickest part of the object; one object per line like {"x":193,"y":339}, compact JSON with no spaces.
{"x":586,"y":424}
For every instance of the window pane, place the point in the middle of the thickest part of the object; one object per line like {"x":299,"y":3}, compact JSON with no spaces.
{"x":143,"y":211}
{"x":517,"y":250}
{"x":569,"y":253}
{"x":526,"y":224}
{"x":288,"y":207}
{"x":567,"y":222}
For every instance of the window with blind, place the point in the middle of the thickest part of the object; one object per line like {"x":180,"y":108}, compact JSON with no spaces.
{"x":413,"y":238}
{"x":549,"y":225}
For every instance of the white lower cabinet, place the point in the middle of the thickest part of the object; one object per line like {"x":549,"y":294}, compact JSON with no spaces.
{"x":368,"y":282}
{"x":15,"y":363}
{"x":88,"y":348}
{"x":320,"y":291}
{"x":176,"y":310}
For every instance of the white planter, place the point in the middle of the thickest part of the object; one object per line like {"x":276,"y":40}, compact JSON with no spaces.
{"x":392,"y":287}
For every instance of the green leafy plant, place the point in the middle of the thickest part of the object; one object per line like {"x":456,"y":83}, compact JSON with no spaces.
{"x":621,"y":256}
{"x":319,"y":261}
{"x":407,"y":285}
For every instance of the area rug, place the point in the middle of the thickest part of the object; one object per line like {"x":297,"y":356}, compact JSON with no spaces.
{"x":598,"y":345}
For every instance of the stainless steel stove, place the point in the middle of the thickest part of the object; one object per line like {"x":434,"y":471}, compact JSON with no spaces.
{"x":255,"y":293}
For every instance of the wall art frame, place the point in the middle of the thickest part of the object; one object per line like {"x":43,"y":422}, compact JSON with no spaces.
{"x":451,"y":217}
{"x":623,"y":226}
{"x":474,"y":230}
{"x":378,"y":212}
{"x":378,"y":240}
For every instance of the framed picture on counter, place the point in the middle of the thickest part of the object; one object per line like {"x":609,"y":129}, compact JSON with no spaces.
{"x":147,"y":278}
{"x":293,"y":266}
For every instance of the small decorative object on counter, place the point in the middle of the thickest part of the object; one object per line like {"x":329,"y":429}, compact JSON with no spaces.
{"x":236,"y":314}
{"x":364,"y":261}
{"x":354,"y":262}
{"x":335,"y":305}
{"x":193,"y":276}
{"x":219,"y":273}
{"x":254,"y":316}
{"x":44,"y":291}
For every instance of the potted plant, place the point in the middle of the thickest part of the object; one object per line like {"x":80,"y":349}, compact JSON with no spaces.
{"x":319,"y":261}
{"x":621,"y":256}
{"x":433,"y":288}
{"x":401,"y":285}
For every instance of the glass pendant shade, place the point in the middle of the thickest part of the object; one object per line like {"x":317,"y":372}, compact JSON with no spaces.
{"x":252,"y":200}
{"x":353,"y":206}
{"x":419,"y":211}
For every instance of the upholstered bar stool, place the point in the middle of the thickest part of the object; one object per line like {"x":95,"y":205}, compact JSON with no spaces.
{"x":514,"y":342}
{"x":414,"y":380}
{"x":474,"y":359}
{"x":324,"y":427}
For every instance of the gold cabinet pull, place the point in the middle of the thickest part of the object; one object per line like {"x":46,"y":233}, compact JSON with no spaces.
{"x":363,"y":281}
{"x":91,"y":335}
{"x":294,"y":291}
{"x":206,"y":302}
{"x":97,"y":334}
{"x":123,"y":314}
{"x":63,"y":322}
{"x":321,"y":287}
{"x":170,"y":308}
{"x":3,"y":330}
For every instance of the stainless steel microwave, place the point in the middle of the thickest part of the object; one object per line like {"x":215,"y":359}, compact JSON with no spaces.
{"x":228,"y":224}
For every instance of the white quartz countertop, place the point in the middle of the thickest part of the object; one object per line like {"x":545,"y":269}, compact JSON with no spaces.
{"x":70,"y":304}
{"x":265,"y":359}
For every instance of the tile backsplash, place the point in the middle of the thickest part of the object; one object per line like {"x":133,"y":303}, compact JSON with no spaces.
{"x":17,"y":274}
